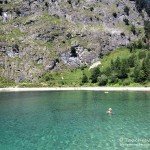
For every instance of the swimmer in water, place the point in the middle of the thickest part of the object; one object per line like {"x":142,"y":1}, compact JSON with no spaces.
{"x":109,"y":111}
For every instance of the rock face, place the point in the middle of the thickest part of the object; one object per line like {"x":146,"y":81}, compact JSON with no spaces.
{"x":75,"y":32}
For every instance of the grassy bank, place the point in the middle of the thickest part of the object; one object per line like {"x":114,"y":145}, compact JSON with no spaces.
{"x":122,"y":67}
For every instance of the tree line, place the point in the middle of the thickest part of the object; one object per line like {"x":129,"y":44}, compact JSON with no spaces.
{"x":135,"y":69}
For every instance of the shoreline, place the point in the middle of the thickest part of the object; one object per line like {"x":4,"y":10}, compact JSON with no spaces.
{"x":105,"y":89}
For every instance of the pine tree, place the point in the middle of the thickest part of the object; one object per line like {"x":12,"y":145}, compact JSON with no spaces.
{"x":132,"y":60}
{"x":142,"y":54}
{"x":112,"y":64}
{"x":84,"y":79}
{"x":113,"y":78}
{"x":138,"y":74}
{"x":117,"y":64}
{"x":108,"y":71}
{"x":102,"y":80}
{"x":124,"y":68}
{"x":146,"y":68}
{"x":95,"y":73}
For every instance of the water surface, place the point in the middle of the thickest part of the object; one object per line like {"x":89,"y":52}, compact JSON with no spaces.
{"x":74,"y":120}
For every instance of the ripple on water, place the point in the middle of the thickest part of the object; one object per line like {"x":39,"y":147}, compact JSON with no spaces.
{"x":73,"y":120}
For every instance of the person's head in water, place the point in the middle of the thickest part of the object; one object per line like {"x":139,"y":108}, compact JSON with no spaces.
{"x":109,"y":111}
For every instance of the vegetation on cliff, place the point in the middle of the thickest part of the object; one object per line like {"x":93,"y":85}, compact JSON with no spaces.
{"x":123,"y":67}
{"x":143,"y":4}
{"x":53,"y":43}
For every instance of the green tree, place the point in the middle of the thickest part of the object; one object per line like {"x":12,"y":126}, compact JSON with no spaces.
{"x":94,"y":75}
{"x":138,"y":74}
{"x":132,"y":60}
{"x":147,"y":29}
{"x":117,"y":64}
{"x":146,"y":68}
{"x":142,"y":54}
{"x":133,"y":30}
{"x":140,"y":5}
{"x":112,"y":64}
{"x":143,"y":4}
{"x":102,"y":80}
{"x":84,"y":78}
{"x":113,"y":78}
{"x":132,"y":47}
{"x":108,"y":71}
{"x":48,"y":77}
{"x":124,"y":69}
{"x":139,"y":44}
{"x":148,"y":55}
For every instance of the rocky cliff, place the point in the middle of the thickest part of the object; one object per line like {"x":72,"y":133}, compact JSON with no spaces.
{"x":51,"y":35}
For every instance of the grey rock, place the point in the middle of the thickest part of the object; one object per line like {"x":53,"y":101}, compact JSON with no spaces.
{"x":2,"y":64}
{"x":87,"y":26}
{"x":50,"y":65}
{"x":40,"y":60}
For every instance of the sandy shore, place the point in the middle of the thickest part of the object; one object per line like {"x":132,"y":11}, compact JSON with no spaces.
{"x":16,"y":89}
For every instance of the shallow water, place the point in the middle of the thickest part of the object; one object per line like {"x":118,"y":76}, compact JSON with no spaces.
{"x":74,"y":120}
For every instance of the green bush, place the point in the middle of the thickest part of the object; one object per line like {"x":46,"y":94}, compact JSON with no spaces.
{"x":113,"y":78}
{"x":146,"y":68}
{"x":124,"y":69}
{"x":47,"y":77}
{"x":84,"y":79}
{"x":143,"y":4}
{"x":133,"y":30}
{"x":142,"y":54}
{"x":83,"y":67}
{"x":107,"y":71}
{"x":138,"y":74}
{"x":102,"y":80}
{"x":94,"y":74}
{"x":126,"y":82}
{"x":147,"y":28}
{"x":132,"y":60}
{"x":4,"y":82}
{"x":117,"y":64}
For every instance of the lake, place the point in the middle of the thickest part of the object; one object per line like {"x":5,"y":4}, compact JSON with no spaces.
{"x":74,"y":120}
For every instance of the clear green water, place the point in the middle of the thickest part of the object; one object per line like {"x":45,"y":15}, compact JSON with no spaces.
{"x":74,"y":120}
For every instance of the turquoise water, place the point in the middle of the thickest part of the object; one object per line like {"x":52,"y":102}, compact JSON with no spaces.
{"x":74,"y":120}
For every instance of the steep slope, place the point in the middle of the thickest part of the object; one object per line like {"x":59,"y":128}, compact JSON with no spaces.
{"x":50,"y":35}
